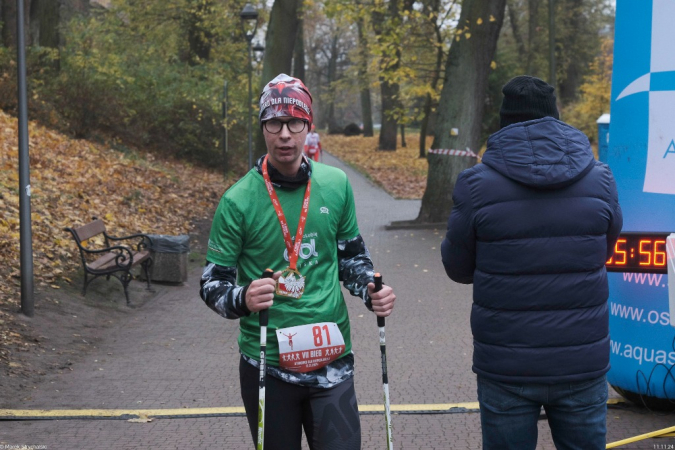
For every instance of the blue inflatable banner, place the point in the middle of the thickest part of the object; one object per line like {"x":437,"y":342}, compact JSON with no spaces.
{"x":641,"y":155}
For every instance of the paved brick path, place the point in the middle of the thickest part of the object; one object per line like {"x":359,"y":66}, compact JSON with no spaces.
{"x":173,"y":352}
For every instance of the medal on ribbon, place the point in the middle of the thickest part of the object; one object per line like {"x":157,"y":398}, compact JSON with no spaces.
{"x":291,"y":283}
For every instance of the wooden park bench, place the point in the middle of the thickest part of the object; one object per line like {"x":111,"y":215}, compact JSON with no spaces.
{"x":116,"y":259}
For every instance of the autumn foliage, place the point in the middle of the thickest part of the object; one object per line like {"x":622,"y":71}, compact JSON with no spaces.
{"x":402,"y":173}
{"x":595,"y":94}
{"x":73,"y":180}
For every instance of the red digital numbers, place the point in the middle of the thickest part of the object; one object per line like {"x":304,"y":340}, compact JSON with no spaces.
{"x":650,"y":254}
{"x":639,"y":252}
{"x":318,"y":336}
{"x":660,"y":256}
{"x":619,"y":253}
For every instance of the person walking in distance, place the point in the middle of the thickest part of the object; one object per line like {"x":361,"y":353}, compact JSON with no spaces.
{"x":313,"y":144}
{"x":298,"y":218}
{"x":532,"y":227}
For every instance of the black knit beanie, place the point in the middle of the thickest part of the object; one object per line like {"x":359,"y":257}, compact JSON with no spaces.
{"x":527,"y":98}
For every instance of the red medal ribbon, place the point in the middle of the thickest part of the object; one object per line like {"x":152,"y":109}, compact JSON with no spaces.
{"x":293,"y":250}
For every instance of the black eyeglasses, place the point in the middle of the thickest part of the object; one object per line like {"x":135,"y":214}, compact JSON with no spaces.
{"x":274,"y":126}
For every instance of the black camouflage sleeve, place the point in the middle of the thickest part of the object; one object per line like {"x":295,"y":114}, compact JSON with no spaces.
{"x":220,"y":292}
{"x":355,"y":267}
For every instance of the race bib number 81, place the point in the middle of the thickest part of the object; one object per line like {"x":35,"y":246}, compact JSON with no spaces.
{"x":309,"y":347}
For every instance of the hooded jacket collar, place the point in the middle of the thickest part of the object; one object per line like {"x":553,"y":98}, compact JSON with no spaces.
{"x":543,"y":153}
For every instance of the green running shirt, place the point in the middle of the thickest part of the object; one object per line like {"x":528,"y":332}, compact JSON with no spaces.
{"x":246,"y":233}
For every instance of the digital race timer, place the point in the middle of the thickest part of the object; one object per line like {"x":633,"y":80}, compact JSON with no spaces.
{"x":639,"y":252}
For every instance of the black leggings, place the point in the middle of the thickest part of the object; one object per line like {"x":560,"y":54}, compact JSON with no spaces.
{"x":330,"y":417}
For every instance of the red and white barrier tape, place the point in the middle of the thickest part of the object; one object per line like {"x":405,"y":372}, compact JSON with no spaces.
{"x":445,"y":151}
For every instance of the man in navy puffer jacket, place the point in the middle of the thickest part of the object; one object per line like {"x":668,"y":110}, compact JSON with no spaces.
{"x":531,"y":228}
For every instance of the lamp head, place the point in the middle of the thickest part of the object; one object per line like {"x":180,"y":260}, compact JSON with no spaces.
{"x":249,"y":20}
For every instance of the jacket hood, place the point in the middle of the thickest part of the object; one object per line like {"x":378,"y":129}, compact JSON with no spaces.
{"x":543,"y":153}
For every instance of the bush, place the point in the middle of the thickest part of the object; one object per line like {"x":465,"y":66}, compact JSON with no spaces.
{"x":352,"y":129}
{"x":41,"y":66}
{"x":121,"y":75}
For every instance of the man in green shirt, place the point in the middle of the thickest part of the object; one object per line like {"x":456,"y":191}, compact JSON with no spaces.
{"x":297,"y":217}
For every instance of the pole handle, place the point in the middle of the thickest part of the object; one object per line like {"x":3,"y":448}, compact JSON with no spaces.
{"x":263,"y":315}
{"x":378,"y":287}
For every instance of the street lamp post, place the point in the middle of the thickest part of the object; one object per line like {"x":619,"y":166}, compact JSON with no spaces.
{"x":25,"y":231}
{"x":249,"y":20}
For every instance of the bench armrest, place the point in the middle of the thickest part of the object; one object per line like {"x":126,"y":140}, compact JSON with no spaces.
{"x":144,"y":243}
{"x":122,"y":260}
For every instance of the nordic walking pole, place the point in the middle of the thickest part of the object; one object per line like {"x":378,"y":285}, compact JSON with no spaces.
{"x":263,"y":317}
{"x":385,"y":378}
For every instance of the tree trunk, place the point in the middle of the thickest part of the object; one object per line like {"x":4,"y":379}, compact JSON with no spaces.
{"x":574,"y":19}
{"x":366,"y":112}
{"x":44,"y":23}
{"x":279,"y":40}
{"x":198,"y":34}
{"x":333,"y":126}
{"x":462,"y":104}
{"x":386,"y":29}
{"x":299,"y":53}
{"x":533,"y":25}
{"x":388,"y":131}
{"x":424,"y":126}
{"x":281,"y":33}
{"x":8,"y":23}
{"x":364,"y":82}
{"x":515,"y":28}
{"x":8,"y":19}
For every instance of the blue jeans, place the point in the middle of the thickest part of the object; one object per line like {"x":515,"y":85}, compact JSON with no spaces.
{"x":576,"y":413}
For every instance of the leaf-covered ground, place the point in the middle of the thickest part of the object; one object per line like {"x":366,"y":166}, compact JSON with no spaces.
{"x":73,"y":180}
{"x":402,"y":173}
